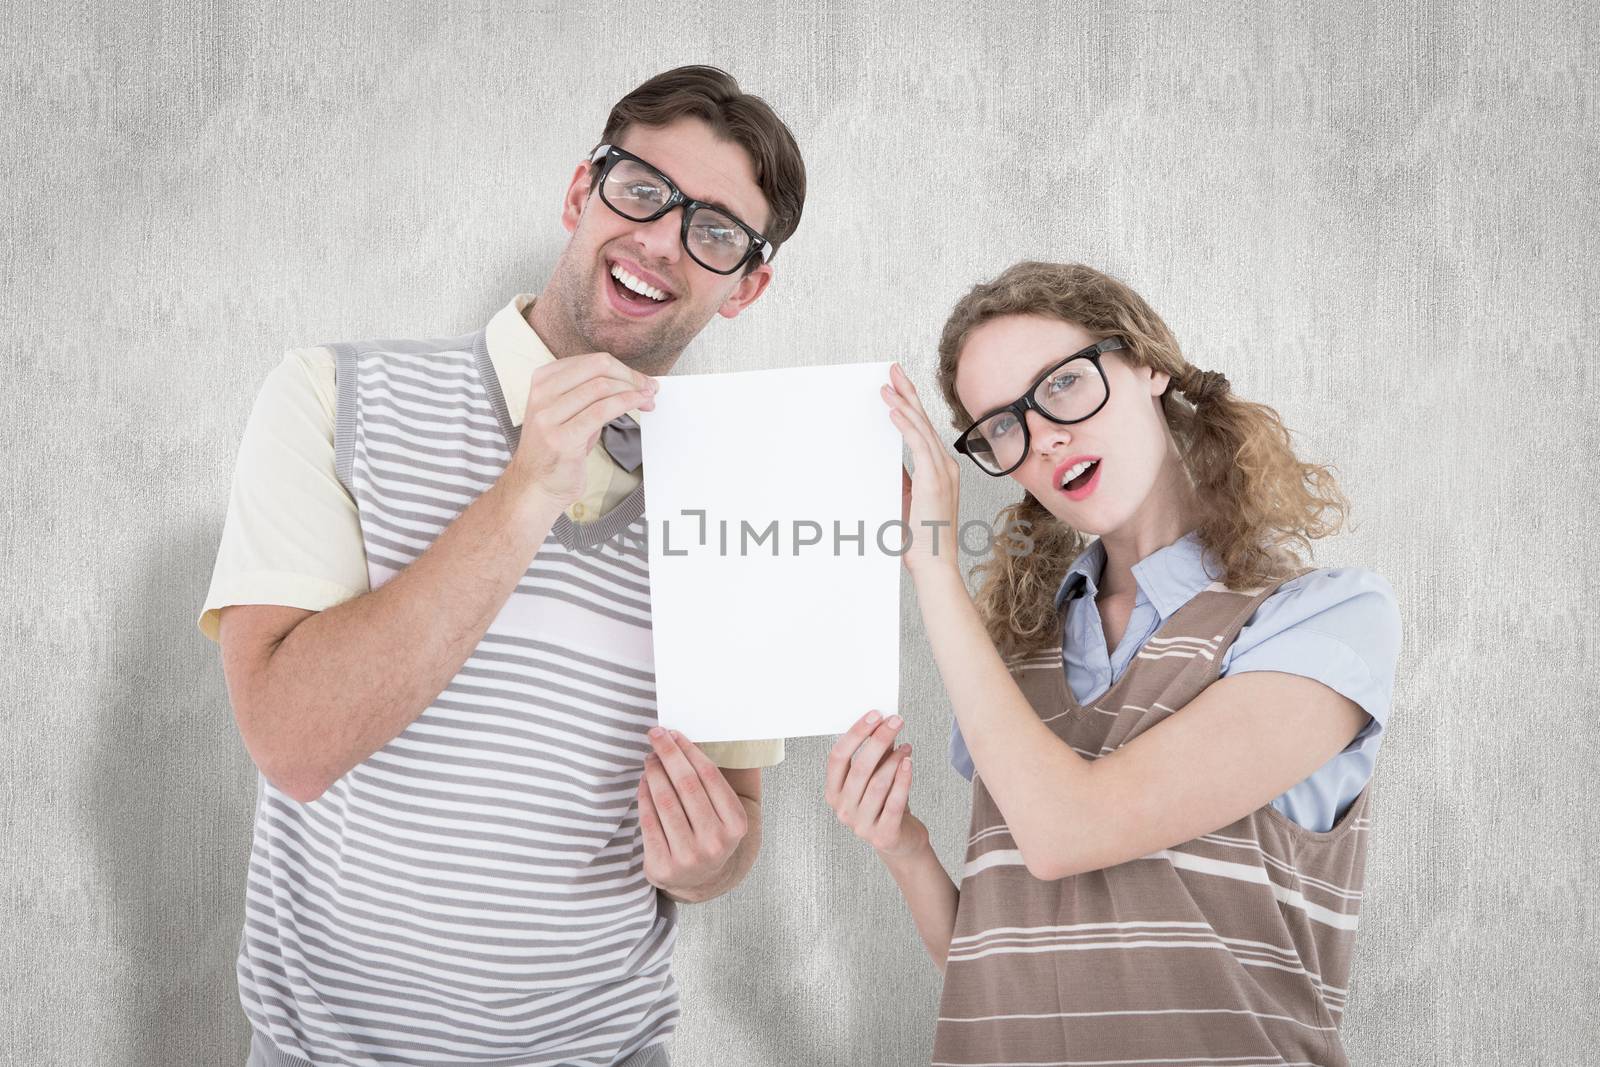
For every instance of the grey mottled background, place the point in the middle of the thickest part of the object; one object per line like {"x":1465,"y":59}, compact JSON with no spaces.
{"x":1380,"y":218}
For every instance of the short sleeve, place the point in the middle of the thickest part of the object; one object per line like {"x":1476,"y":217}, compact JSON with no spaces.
{"x":960,"y":758}
{"x":742,"y":755}
{"x":292,"y":535}
{"x":1339,"y":626}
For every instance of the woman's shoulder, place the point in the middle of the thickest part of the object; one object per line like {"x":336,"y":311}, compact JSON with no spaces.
{"x":1337,"y":625}
{"x":1337,"y":585}
{"x":1353,"y":606}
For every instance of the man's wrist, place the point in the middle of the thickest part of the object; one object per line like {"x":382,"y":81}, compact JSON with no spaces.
{"x":702,"y":891}
{"x":528,"y":504}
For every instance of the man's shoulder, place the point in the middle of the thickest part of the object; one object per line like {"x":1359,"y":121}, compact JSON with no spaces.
{"x":455,"y":344}
{"x":302,"y":383}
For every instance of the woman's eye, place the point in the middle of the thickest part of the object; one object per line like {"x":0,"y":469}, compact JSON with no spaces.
{"x":1061,"y":383}
{"x":1001,"y":427}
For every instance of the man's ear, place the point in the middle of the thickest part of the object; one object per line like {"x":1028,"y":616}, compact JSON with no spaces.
{"x":577,"y":197}
{"x":744,"y":294}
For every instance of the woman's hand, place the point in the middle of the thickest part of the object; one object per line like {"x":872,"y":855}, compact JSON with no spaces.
{"x":869,"y":781}
{"x":931,"y":494}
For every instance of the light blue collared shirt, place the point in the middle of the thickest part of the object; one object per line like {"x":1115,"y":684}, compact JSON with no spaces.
{"x":1339,"y":625}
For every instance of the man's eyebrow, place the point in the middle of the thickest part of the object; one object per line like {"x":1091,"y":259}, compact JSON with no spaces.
{"x":725,"y":209}
{"x":719,"y":205}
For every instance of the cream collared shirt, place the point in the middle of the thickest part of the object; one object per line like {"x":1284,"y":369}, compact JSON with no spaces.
{"x":292,"y":535}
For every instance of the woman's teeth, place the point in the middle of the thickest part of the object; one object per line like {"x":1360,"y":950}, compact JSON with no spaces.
{"x":628,"y":280}
{"x":1075,"y":471}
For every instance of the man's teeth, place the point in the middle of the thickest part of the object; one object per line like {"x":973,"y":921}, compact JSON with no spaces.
{"x":1075,"y":471}
{"x":635,"y":284}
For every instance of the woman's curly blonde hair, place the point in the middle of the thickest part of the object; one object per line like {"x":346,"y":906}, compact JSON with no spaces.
{"x":1261,"y":504}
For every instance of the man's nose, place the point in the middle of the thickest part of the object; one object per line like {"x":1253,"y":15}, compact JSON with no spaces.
{"x":659,"y":238}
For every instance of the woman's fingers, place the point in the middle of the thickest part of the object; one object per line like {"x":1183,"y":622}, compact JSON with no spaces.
{"x":843,"y":749}
{"x":909,"y":391}
{"x":932,"y":459}
{"x":930,"y":492}
{"x":864,"y":762}
{"x":870,"y":809}
{"x":894,"y":805}
{"x":908,"y":422}
{"x":903,"y":398}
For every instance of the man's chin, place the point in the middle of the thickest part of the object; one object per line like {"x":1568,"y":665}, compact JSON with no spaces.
{"x":643,"y":344}
{"x":635,"y":344}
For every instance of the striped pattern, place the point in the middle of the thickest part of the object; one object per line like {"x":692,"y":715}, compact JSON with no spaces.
{"x":474,"y":891}
{"x":1229,"y":950}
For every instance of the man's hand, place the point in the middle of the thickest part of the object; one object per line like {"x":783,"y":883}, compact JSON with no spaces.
{"x":569,"y":403}
{"x":692,"y":821}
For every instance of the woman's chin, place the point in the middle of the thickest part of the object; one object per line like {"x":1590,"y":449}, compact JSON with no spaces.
{"x":1089,"y":519}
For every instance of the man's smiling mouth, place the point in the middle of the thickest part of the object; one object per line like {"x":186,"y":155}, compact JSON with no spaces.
{"x":633,"y":288}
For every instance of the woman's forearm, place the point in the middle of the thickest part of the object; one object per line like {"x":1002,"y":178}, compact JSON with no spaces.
{"x":1043,"y":779}
{"x":930,"y":894}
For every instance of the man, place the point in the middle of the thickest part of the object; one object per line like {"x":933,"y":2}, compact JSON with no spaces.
{"x":432,"y":601}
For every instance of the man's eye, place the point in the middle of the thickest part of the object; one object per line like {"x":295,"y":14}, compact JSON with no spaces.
{"x":643,"y":191}
{"x":713,"y":230}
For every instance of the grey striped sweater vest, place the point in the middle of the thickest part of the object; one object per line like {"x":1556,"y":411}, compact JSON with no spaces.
{"x":1232,"y":949}
{"x":473,"y":892}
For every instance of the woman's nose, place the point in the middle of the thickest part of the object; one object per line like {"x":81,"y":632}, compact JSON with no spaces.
{"x":1046,"y":436}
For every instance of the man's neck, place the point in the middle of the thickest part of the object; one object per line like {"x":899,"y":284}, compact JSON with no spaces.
{"x":544,"y":319}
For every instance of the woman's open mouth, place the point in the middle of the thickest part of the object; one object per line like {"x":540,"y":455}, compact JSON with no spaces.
{"x":1080,"y":480}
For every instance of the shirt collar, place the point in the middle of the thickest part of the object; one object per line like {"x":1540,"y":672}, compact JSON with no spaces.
{"x":516,"y":351}
{"x":1168,"y":577}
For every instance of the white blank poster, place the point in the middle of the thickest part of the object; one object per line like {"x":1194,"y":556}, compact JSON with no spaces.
{"x":771,"y":619}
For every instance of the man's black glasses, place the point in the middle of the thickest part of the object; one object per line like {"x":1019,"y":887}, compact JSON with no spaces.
{"x":637,"y":191}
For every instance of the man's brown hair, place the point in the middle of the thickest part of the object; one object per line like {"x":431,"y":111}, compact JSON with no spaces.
{"x":714,"y":97}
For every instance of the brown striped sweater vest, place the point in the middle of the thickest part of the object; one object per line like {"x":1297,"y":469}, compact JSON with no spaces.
{"x":1231,"y":949}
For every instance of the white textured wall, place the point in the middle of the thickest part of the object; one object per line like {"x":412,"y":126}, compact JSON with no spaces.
{"x":1378,"y":217}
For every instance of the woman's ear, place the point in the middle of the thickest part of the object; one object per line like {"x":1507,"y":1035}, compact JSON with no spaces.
{"x":1158,"y":381}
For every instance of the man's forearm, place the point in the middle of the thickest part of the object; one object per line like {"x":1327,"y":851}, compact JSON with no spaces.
{"x":346,"y":681}
{"x":732,"y":872}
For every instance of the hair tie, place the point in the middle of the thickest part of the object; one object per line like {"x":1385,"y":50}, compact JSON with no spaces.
{"x":1205,"y":386}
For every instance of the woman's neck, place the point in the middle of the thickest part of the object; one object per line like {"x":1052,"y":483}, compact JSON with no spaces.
{"x":1171,"y":510}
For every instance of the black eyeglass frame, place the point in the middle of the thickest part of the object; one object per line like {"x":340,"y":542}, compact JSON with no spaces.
{"x":609,"y":155}
{"x":1026,"y":402}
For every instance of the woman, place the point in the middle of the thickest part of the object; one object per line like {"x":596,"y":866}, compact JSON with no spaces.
{"x":1172,"y":726}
